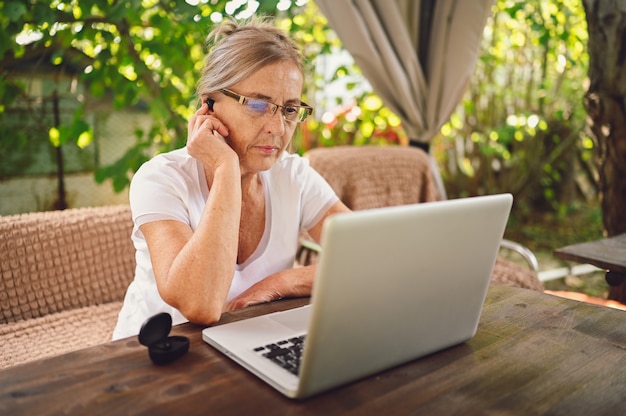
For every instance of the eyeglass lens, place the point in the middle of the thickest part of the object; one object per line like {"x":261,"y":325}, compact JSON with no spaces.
{"x":291,"y":113}
{"x":261,"y":107}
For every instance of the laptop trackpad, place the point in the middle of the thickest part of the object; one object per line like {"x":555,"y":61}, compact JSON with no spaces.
{"x":294,"y":319}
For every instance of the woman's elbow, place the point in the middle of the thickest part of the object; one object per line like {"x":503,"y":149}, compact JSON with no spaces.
{"x":204,"y":316}
{"x":204,"y":313}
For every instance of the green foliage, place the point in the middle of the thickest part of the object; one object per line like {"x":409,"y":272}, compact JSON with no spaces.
{"x":150,"y":52}
{"x":130,"y":51}
{"x":521,"y":125}
{"x":364,"y":121}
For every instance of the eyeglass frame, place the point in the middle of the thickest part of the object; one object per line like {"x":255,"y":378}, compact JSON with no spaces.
{"x":243,"y":100}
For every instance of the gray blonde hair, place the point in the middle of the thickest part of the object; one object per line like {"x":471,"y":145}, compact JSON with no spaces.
{"x":236,"y":51}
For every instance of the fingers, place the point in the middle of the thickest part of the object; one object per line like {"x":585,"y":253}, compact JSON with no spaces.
{"x":203,"y":110}
{"x":233,"y":305}
{"x":251,"y":297}
{"x":202,"y":120}
{"x":242,"y":303}
{"x":221,"y":130}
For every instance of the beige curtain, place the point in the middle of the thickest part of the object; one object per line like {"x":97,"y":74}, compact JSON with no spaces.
{"x":418,"y":55}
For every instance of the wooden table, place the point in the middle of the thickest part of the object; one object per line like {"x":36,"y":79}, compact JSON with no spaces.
{"x":606,"y":253}
{"x":533,"y":354}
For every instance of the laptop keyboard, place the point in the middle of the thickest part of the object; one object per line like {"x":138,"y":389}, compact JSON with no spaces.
{"x":286,"y":353}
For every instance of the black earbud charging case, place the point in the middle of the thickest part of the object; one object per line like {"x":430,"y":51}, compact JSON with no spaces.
{"x":162,"y":348}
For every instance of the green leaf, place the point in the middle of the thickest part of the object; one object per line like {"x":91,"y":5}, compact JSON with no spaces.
{"x":120,"y":183}
{"x":57,"y":57}
{"x":158,"y":109}
{"x":118,"y":11}
{"x":42,"y":13}
{"x":14,"y":10}
{"x":100,"y":175}
{"x":55,"y":136}
{"x":97,"y":88}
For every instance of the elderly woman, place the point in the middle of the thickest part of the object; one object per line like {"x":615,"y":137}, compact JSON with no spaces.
{"x":216,"y":223}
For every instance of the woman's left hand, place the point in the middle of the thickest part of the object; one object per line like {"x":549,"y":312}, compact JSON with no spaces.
{"x":296,"y":282}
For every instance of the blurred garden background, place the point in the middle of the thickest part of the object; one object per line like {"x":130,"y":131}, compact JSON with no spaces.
{"x":90,"y":89}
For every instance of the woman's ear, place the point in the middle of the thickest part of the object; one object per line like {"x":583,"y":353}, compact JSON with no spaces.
{"x":209,"y":102}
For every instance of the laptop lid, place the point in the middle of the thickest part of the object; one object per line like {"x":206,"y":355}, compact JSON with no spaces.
{"x":393,"y":284}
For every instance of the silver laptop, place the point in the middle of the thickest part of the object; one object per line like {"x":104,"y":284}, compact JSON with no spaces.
{"x":393,"y":284}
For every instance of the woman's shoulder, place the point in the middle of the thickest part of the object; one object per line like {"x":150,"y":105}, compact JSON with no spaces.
{"x":177,"y":157}
{"x":166,"y":183}
{"x":174,"y":169}
{"x":165,"y":163}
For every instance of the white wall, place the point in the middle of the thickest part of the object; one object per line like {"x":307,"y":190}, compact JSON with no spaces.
{"x":31,"y":194}
{"x":38,"y":193}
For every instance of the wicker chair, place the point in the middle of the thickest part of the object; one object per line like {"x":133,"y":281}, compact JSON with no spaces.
{"x":63,"y":276}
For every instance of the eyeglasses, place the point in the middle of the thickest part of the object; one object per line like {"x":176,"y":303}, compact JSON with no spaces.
{"x":258,"y":107}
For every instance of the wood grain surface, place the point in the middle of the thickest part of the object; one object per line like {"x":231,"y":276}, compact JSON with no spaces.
{"x":533,"y":354}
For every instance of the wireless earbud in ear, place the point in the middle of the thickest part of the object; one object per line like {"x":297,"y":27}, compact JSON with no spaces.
{"x":210,"y":102}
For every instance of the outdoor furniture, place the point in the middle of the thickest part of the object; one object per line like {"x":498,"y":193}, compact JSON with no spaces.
{"x":532,"y":354}
{"x":376,"y":176}
{"x":63,"y":276}
{"x":606,"y":253}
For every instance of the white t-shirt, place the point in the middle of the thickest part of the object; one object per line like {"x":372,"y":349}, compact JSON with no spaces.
{"x":173,"y":186}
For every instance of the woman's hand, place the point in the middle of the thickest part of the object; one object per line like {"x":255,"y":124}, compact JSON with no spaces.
{"x":205,"y":139}
{"x":291,"y":283}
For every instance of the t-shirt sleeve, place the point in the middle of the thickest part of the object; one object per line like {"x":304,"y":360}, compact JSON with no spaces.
{"x":155,"y":194}
{"x":317,"y":196}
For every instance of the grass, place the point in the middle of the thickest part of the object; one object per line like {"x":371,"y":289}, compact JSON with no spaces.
{"x":545,"y":232}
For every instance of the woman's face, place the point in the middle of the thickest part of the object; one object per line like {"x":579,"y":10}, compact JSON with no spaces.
{"x":260,"y":139}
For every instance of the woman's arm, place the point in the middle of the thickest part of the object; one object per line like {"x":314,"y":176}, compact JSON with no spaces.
{"x":194,"y":269}
{"x":295,"y":282}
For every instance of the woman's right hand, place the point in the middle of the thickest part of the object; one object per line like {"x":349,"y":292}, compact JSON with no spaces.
{"x":205,"y":139}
